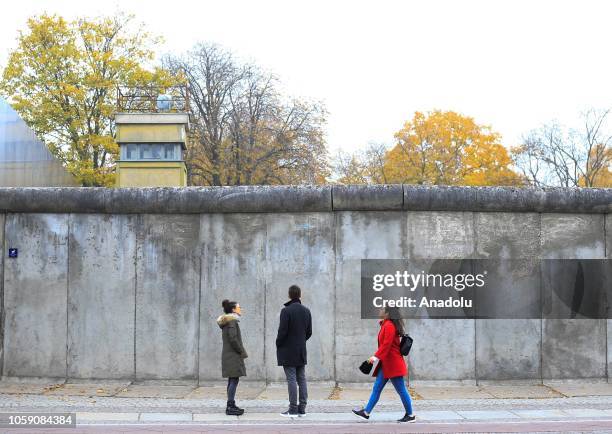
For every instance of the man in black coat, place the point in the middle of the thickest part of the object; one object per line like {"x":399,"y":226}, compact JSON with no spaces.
{"x":294,"y":329}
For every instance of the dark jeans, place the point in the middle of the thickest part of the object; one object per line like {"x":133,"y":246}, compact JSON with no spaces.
{"x":232,"y":385}
{"x":296,"y":376}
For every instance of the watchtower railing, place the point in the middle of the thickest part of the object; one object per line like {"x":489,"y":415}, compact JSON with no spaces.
{"x":152,"y":99}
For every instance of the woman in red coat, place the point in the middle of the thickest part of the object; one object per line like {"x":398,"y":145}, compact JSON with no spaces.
{"x":391,"y":364}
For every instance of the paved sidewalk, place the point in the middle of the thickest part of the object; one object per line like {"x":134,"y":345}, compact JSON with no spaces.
{"x":317,"y":391}
{"x":153,"y":406}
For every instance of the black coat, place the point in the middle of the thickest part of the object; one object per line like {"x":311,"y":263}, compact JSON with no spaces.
{"x":233,"y":353}
{"x":294,"y":329}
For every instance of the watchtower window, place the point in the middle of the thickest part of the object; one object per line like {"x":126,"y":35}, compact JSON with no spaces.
{"x":151,"y":151}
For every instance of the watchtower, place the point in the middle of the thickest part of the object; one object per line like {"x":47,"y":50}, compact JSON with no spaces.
{"x":152,"y":130}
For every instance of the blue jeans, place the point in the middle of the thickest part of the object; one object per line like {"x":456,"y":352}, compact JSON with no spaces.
{"x":379,"y":385}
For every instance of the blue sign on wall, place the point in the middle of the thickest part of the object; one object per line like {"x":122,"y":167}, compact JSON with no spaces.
{"x":13,"y":253}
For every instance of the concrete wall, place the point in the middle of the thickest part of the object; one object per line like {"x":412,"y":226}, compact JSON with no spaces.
{"x":100,"y":294}
{"x":167,"y":296}
{"x":127,"y":283}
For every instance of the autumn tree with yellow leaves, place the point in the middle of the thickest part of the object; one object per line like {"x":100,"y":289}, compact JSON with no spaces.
{"x":435,"y":148}
{"x":62,"y":80}
{"x":447,"y":148}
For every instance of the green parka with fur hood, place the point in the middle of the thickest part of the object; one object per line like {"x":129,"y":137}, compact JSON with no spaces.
{"x":233,"y":353}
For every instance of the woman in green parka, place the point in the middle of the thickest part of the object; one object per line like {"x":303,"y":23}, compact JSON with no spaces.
{"x":233,"y":353}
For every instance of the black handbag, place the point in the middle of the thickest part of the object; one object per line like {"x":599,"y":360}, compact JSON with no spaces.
{"x":405,"y":345}
{"x":366,"y":367}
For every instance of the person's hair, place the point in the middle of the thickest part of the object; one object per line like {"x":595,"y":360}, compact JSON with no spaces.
{"x":395,"y":316}
{"x":228,"y":306}
{"x":295,"y":292}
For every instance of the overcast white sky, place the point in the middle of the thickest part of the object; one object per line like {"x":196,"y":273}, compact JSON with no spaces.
{"x":511,"y":64}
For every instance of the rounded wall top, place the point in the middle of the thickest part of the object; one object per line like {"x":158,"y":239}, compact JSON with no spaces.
{"x":304,"y":198}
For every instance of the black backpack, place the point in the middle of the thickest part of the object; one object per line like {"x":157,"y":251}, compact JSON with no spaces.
{"x":405,"y":344}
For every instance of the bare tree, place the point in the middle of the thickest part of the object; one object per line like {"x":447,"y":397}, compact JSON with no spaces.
{"x":551,"y":156}
{"x":245,"y":131}
{"x":375,"y":157}
{"x":365,"y":166}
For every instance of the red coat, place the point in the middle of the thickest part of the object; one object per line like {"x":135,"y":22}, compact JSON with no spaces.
{"x":390,"y":358}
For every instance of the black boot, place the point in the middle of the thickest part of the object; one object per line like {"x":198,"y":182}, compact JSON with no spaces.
{"x":407,"y":418}
{"x":238,"y":409}
{"x":232,"y":410}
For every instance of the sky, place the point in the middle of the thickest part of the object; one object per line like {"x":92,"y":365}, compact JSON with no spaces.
{"x":512,"y":65}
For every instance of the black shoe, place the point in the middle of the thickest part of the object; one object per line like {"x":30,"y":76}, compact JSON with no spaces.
{"x":361,"y":413}
{"x":407,"y":418}
{"x":301,"y":412}
{"x":290,"y":413}
{"x":234,"y":411}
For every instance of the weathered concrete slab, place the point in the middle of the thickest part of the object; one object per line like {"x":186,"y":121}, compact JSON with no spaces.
{"x":579,"y":236}
{"x":143,"y":391}
{"x":35,"y":293}
{"x":608,"y":248}
{"x":233,"y":267}
{"x":303,"y":198}
{"x":489,"y":199}
{"x":102,"y":279}
{"x":300,"y":250}
{"x":452,"y":392}
{"x":444,"y":348}
{"x":573,"y":348}
{"x":2,"y":257}
{"x":240,"y":199}
{"x":87,"y":389}
{"x":522,"y":392}
{"x":609,"y":348}
{"x":608,"y":223}
{"x":581,"y":388}
{"x":440,"y":235}
{"x":510,"y":348}
{"x":507,"y":235}
{"x":367,"y":197}
{"x":167,"y":297}
{"x":360,"y":235}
